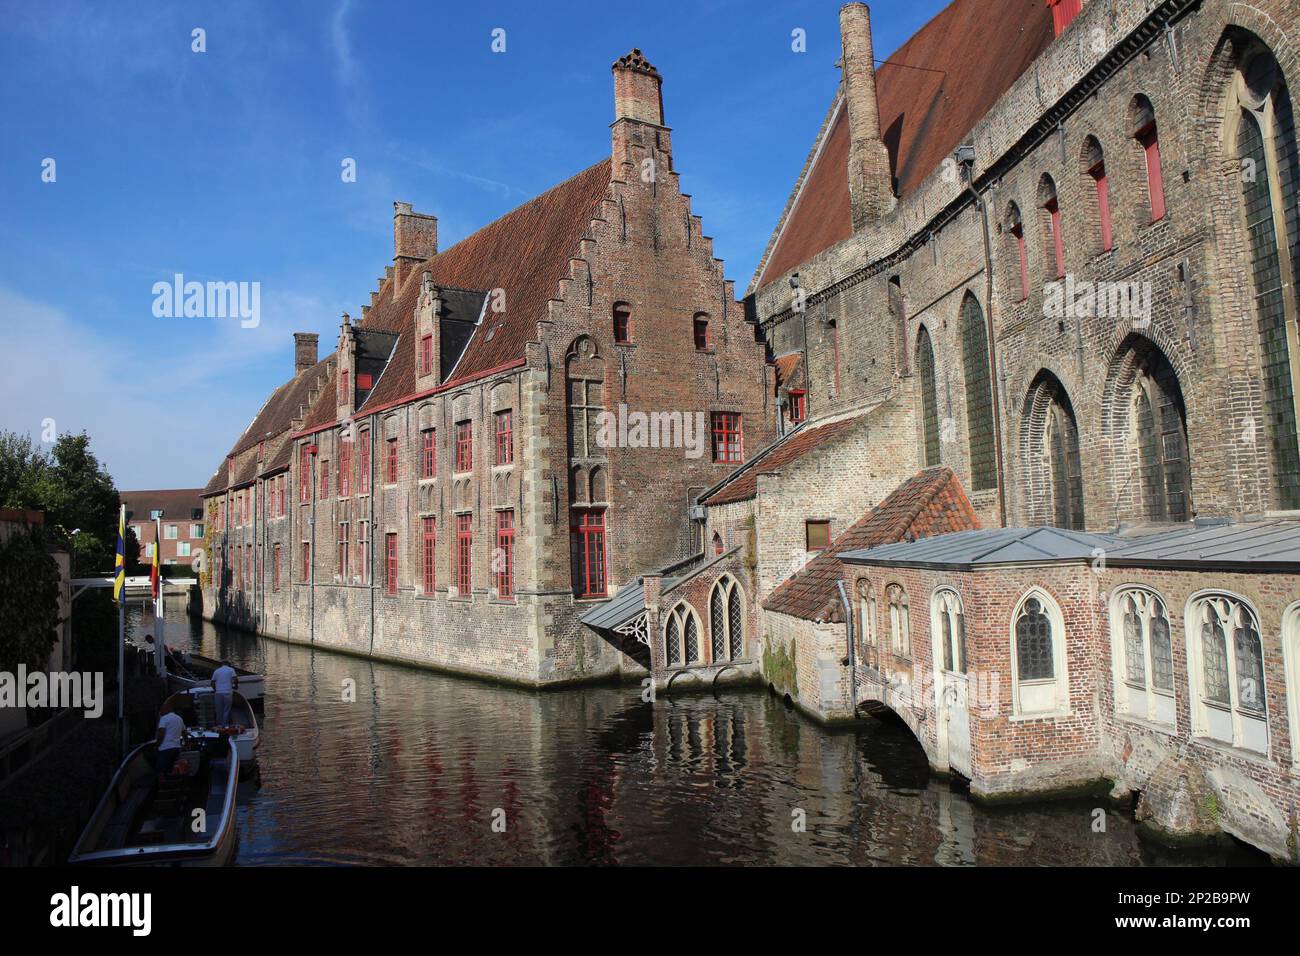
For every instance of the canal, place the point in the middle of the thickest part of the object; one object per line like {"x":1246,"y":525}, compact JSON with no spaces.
{"x":415,"y":767}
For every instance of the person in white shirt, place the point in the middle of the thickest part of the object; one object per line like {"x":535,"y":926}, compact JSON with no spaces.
{"x":170,"y":730}
{"x":224,"y":682}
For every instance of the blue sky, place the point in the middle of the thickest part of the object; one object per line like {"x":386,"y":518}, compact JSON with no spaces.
{"x":225,"y":165}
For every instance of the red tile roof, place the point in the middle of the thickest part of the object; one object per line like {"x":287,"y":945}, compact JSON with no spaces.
{"x":525,"y":253}
{"x":743,"y":483}
{"x":972,"y":52}
{"x":789,"y":370}
{"x":929,"y":503}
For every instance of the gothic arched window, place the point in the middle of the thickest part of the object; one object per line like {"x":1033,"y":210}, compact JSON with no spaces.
{"x":1143,"y":655}
{"x":950,"y":628}
{"x":929,"y":397}
{"x":1038,"y":656}
{"x":682,"y":636}
{"x":979,"y":395}
{"x":867,"y":623}
{"x":900,"y":625}
{"x":726,"y":620}
{"x":1225,"y":658}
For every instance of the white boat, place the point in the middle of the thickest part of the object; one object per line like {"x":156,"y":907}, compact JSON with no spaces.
{"x":195,"y":670}
{"x":198,"y":708}
{"x":148,"y":819}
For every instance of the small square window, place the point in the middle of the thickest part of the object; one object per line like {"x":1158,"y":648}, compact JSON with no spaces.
{"x":818,"y":534}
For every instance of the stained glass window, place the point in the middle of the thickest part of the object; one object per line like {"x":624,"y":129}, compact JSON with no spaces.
{"x":979,"y":395}
{"x":929,"y":397}
{"x":1162,"y":659}
{"x":1034,"y":656}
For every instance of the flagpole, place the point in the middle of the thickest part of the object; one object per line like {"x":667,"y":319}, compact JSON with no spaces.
{"x":121,"y":639}
{"x":159,"y":647}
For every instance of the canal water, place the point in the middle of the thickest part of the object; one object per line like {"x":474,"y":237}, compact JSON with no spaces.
{"x":416,"y":767}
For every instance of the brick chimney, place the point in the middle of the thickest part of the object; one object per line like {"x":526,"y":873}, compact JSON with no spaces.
{"x":871,"y":190}
{"x":638,"y":108}
{"x":415,"y":239}
{"x":304,"y":350}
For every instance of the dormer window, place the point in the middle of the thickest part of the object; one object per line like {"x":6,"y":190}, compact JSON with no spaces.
{"x":622,"y":323}
{"x":365,"y":382}
{"x":426,"y":355}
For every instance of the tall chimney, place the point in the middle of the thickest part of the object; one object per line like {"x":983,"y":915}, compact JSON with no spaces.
{"x":871,"y":190}
{"x":415,"y":239}
{"x":637,"y":90}
{"x":304,"y":350}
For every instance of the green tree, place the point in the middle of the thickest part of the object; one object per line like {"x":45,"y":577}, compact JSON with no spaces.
{"x":29,"y":600}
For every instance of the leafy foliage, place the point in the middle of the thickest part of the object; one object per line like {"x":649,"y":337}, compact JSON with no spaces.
{"x":29,"y":600}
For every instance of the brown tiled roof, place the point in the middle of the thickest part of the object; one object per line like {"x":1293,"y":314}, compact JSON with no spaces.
{"x":174,"y":502}
{"x":525,"y":253}
{"x":789,"y":370}
{"x":929,"y":503}
{"x":743,"y":483}
{"x":972,"y":52}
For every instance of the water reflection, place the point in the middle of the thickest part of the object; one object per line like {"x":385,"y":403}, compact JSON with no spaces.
{"x":415,"y":766}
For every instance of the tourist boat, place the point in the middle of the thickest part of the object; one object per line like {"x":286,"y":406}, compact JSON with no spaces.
{"x":196,"y":671}
{"x":148,"y":819}
{"x":198,"y":708}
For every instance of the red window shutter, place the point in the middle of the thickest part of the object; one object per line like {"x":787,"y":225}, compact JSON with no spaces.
{"x":1063,"y":12}
{"x":464,"y":446}
{"x":505,"y":557}
{"x":505,"y":443}
{"x":426,"y":355}
{"x":588,"y":551}
{"x":430,"y":538}
{"x":464,"y":551}
{"x":1098,"y":174}
{"x":1150,"y":141}
{"x":363,"y":479}
{"x":390,"y":581}
{"x":364,"y":381}
{"x":798,"y":405}
{"x":429,"y":455}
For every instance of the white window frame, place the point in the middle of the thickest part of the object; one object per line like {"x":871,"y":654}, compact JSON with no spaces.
{"x":941,"y":605}
{"x":1291,"y":668}
{"x":680,"y":612}
{"x":727,"y":584}
{"x":1149,"y":704}
{"x":1244,"y":730}
{"x":183,"y":549}
{"x":1060,"y":681}
{"x":171,"y":532}
{"x":196,"y":530}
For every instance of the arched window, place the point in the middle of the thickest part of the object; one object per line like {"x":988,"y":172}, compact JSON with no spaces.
{"x":1147,"y":136}
{"x":929,"y":397}
{"x":1050,"y":443}
{"x":866,"y":599}
{"x":1142,"y":652}
{"x":1291,"y":664}
{"x":1094,"y":171}
{"x":718,"y":546}
{"x":1053,"y":240}
{"x":898,"y":311}
{"x":1041,"y":685}
{"x":586,"y":388}
{"x":682,"y":636}
{"x":1270,"y":176}
{"x":979,"y":395}
{"x":622,"y":323}
{"x":1015,"y":229}
{"x":727,"y":620}
{"x":949,"y":625}
{"x":1226,"y":666}
{"x":900,"y":625}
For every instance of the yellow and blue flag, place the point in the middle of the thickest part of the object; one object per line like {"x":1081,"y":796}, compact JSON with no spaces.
{"x":119,"y":563}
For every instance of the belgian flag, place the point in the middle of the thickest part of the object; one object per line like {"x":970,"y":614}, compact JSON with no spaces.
{"x":154,"y":571}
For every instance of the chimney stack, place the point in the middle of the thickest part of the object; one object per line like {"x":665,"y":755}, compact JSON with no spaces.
{"x":871,"y":188}
{"x":304,"y":350}
{"x":415,"y":238}
{"x":637,"y":90}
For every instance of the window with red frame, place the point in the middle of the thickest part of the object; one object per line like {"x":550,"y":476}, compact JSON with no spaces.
{"x":622,"y":323}
{"x":306,"y":561}
{"x":1148,"y":138}
{"x":345,"y":469}
{"x":429,"y":453}
{"x":464,"y":446}
{"x":1096,"y":163}
{"x":587,"y":548}
{"x":426,"y":355}
{"x":343,"y":386}
{"x":429,"y":537}
{"x":1053,"y":238}
{"x":325,"y":478}
{"x":364,"y":381}
{"x":728,"y":445}
{"x":343,"y":552}
{"x":390,"y":467}
{"x":1063,"y":12}
{"x":798,"y":405}
{"x":363,"y":548}
{"x":701,"y":331}
{"x":275,"y":576}
{"x":390,"y":574}
{"x":505,"y":438}
{"x":505,"y":556}
{"x":304,"y":476}
{"x":718,"y":547}
{"x":363,"y":476}
{"x":464,"y":550}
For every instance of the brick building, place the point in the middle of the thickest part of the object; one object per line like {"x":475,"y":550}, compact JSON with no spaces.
{"x":513,"y":427}
{"x":1061,"y":254}
{"x":182,"y":514}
